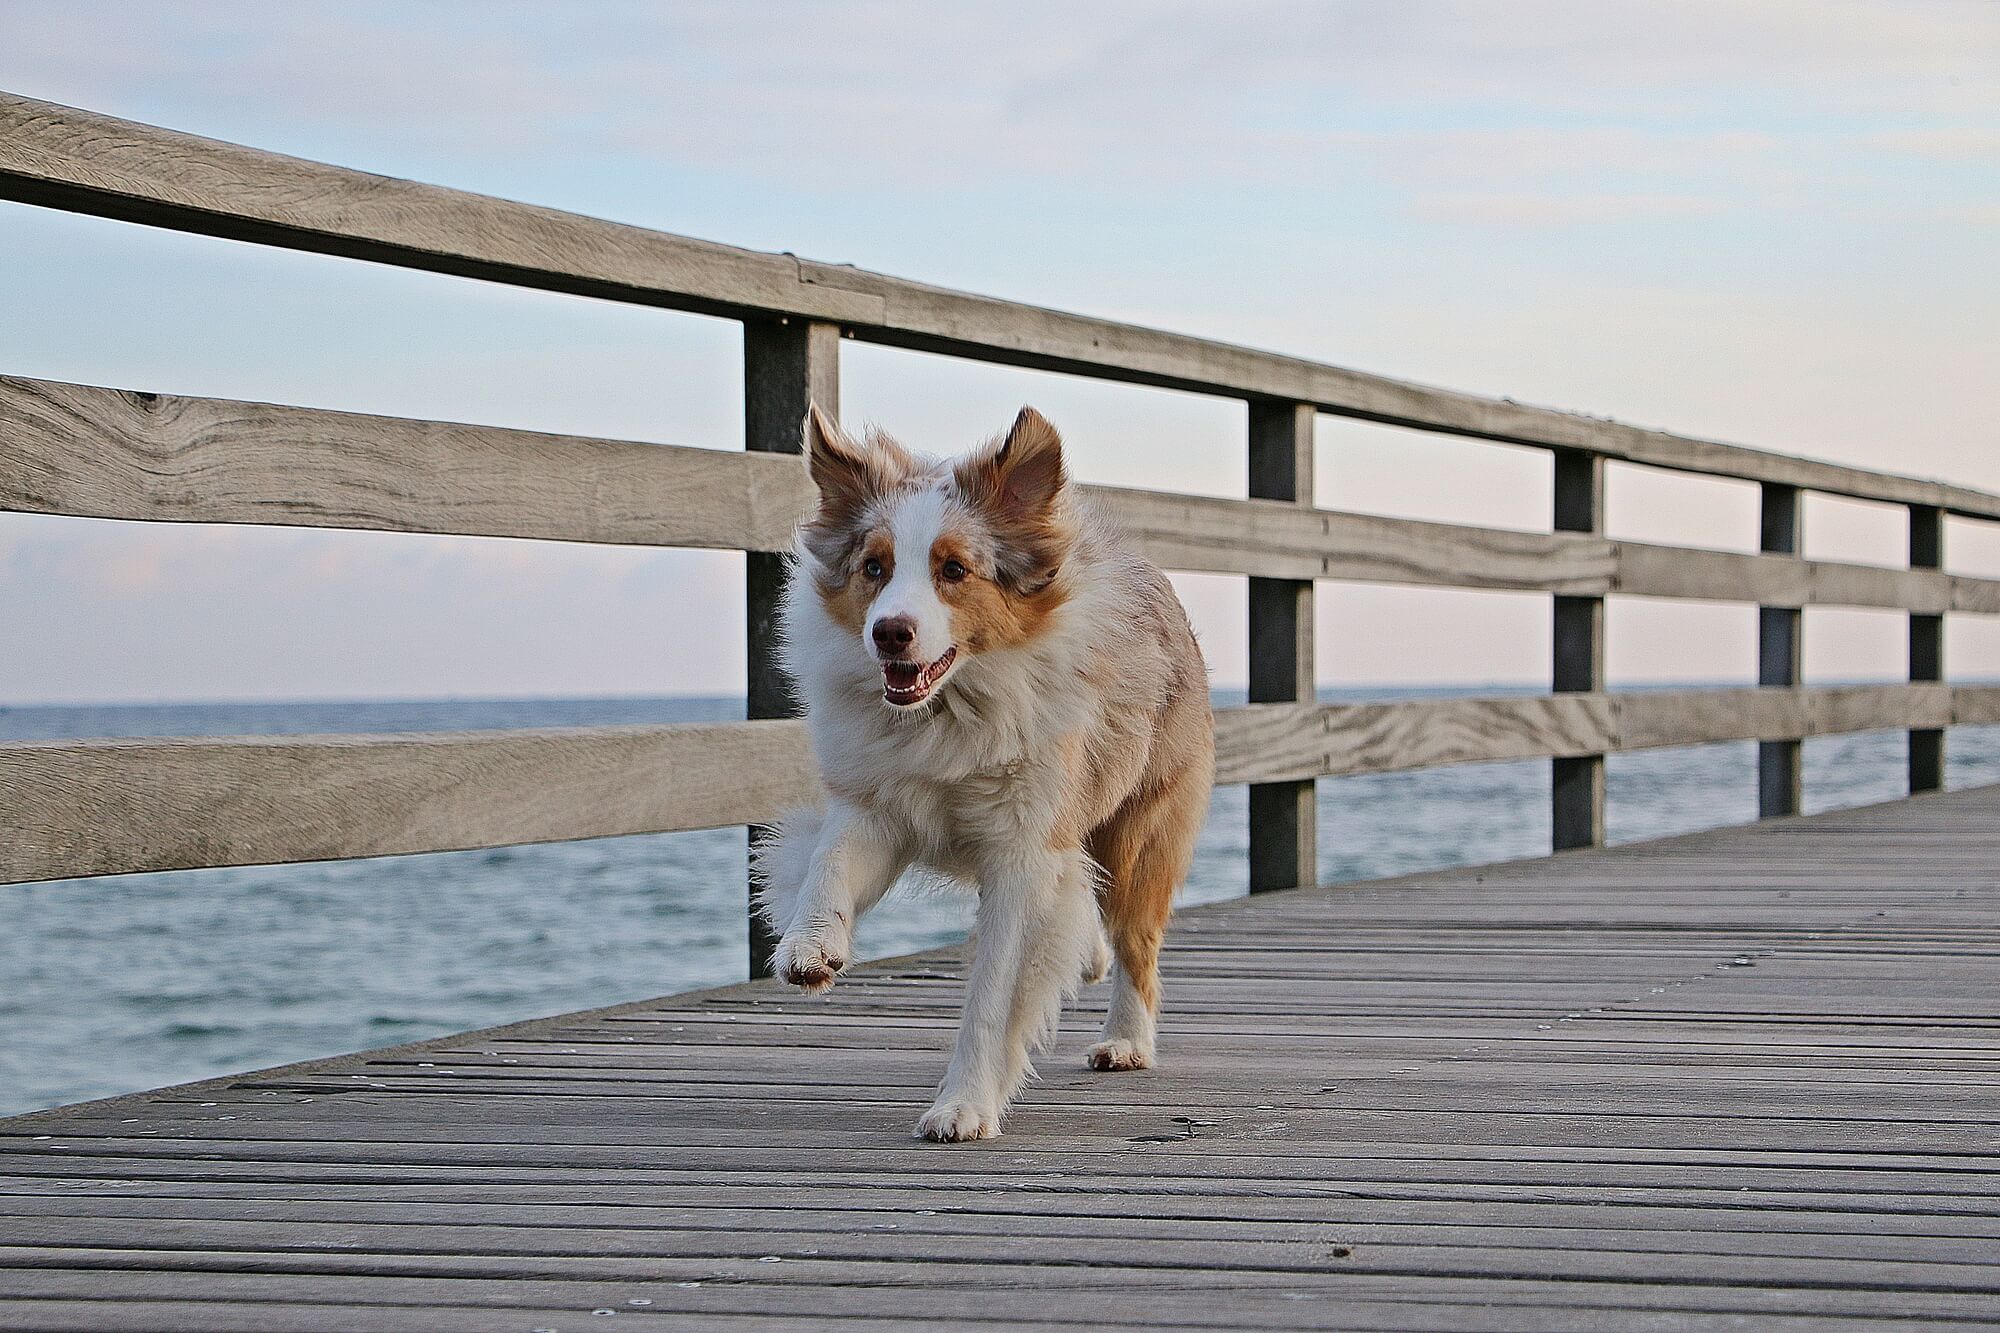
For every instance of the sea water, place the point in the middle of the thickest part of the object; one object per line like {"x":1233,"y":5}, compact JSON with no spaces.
{"x":135,"y":981}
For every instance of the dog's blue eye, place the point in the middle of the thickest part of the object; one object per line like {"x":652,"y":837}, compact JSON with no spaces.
{"x":953,"y":571}
{"x":872,"y":567}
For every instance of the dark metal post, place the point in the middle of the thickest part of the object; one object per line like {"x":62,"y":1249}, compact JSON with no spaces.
{"x":1284,"y":844}
{"x":1577,"y":784}
{"x":786,"y":365}
{"x":1780,"y":641}
{"x":1926,"y":647}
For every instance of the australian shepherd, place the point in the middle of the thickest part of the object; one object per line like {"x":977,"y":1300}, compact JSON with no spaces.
{"x":1001,"y":693}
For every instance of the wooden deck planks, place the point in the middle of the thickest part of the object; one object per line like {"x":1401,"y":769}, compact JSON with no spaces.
{"x":1748,"y":1078}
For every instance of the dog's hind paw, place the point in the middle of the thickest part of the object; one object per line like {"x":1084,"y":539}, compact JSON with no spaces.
{"x":957,"y":1121}
{"x":1097,"y":964}
{"x":1117,"y":1054}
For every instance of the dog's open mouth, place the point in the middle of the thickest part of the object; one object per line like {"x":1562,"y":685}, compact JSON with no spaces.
{"x":906,"y":683}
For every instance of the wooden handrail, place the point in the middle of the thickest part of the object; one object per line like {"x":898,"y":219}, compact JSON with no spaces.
{"x":62,"y":157}
{"x":112,"y":453}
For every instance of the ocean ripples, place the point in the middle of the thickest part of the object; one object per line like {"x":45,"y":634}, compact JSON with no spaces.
{"x":200,"y":1031}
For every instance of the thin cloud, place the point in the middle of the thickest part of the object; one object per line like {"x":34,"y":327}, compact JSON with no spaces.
{"x":874,"y":94}
{"x":1949,"y":143}
{"x":1560,"y":210}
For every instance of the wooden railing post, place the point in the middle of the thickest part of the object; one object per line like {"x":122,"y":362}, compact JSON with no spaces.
{"x":1284,"y":842}
{"x":1577,"y":784}
{"x":1780,"y":643}
{"x":787,"y":364}
{"x":1926,"y":647}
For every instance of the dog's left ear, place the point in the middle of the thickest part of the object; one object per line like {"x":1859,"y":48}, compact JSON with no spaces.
{"x":1019,"y":478}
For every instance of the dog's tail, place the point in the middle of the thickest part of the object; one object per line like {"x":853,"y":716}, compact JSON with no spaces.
{"x":779,"y":863}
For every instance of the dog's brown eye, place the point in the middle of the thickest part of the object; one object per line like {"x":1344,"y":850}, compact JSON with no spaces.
{"x":952,"y":571}
{"x":872,"y":567}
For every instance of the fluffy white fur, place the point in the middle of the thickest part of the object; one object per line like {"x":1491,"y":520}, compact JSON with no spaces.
{"x":978,"y":782}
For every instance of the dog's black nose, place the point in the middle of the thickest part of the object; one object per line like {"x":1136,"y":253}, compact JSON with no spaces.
{"x":895,"y":634}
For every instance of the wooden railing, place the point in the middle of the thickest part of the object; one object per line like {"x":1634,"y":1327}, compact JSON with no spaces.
{"x":94,"y":807}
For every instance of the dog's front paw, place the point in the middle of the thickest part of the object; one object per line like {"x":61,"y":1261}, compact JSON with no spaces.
{"x":954,"y":1120}
{"x":1117,"y":1054}
{"x":810,"y":959}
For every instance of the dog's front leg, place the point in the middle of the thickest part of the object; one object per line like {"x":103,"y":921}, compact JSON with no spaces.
{"x":854,"y":861}
{"x":1037,"y":926}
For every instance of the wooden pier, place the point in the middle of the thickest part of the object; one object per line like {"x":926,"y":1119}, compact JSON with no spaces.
{"x":1744,"y":1079}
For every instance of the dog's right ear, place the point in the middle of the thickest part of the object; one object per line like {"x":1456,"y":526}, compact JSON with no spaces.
{"x":838,"y":465}
{"x":849,"y":472}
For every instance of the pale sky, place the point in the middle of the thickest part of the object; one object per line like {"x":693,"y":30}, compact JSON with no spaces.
{"x":1767,"y":222}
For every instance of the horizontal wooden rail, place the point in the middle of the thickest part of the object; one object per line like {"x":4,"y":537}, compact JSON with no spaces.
{"x":96,"y":807}
{"x":1277,"y":742}
{"x":114,"y":453}
{"x":102,"y":807}
{"x":60,"y":157}
{"x":1645,"y":570}
{"x":1290,"y":742}
{"x":1274,"y":539}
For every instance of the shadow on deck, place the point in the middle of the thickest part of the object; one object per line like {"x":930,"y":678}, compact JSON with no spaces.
{"x":1747,"y":1078}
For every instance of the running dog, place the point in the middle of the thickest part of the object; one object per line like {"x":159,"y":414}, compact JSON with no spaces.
{"x":1000,"y":692}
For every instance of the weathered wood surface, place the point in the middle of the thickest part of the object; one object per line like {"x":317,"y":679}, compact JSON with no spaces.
{"x":1284,"y":816}
{"x":1278,"y":742}
{"x":1646,"y":570}
{"x":1746,"y":1079}
{"x":116,"y":453}
{"x":1974,"y":705}
{"x":1781,"y":633}
{"x":1272,"y":539}
{"x":1926,"y":640}
{"x":99,"y":807}
{"x":60,"y":157}
{"x":790,"y":368}
{"x":1576,"y":657}
{"x":1682,"y":717}
{"x":1291,"y":741}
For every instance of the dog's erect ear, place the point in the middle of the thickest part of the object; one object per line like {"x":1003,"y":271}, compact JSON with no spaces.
{"x":1019,"y":478}
{"x":848,"y":472}
{"x":839,"y":466}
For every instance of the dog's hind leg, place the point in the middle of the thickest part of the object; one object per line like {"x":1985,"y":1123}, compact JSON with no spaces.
{"x":853,"y":860}
{"x":1145,"y":850}
{"x":1097,"y":963}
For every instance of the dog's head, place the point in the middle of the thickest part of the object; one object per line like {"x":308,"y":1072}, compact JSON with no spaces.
{"x":932,"y":564}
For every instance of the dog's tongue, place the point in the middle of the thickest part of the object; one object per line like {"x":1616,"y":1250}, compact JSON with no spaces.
{"x":902,"y":675}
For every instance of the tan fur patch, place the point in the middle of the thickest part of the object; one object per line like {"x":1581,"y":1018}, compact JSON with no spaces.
{"x":850,"y":477}
{"x":846,"y":590}
{"x":1144,"y":850}
{"x":985,"y":614}
{"x":1019,"y":486}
